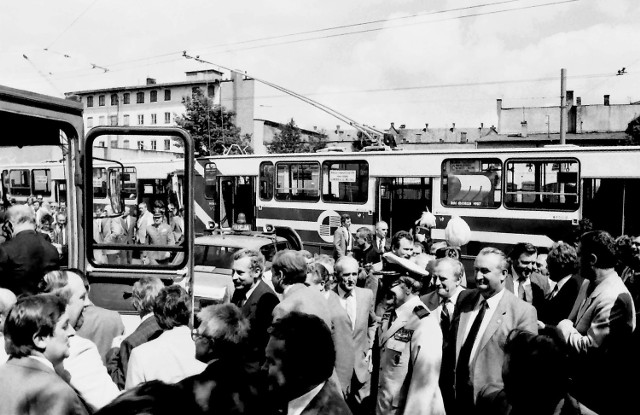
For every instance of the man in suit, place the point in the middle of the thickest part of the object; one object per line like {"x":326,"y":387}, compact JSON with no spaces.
{"x":410,"y":350}
{"x":83,"y":368}
{"x":599,"y":329}
{"x":159,"y":233}
{"x":225,"y":386}
{"x":128,"y":224}
{"x":342,"y":238}
{"x":442,"y":302}
{"x":381,"y":243}
{"x":484,"y":318}
{"x":37,"y":333}
{"x":359,"y":305}
{"x":170,"y":357}
{"x":27,"y":256}
{"x":289,"y":274}
{"x":562,"y":263}
{"x":144,"y":294}
{"x":145,"y":218}
{"x":300,"y":360}
{"x":522,"y":279}
{"x":255,"y":299}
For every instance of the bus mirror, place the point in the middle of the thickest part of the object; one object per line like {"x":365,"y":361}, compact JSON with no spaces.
{"x":115,"y":191}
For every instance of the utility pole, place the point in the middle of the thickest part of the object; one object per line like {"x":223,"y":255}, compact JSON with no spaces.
{"x":563,"y":106}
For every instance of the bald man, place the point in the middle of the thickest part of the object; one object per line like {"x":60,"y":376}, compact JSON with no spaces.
{"x":7,"y":300}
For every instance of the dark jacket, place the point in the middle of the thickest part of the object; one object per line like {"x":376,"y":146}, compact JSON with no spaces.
{"x":24,"y":260}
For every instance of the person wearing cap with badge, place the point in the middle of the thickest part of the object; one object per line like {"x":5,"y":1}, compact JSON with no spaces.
{"x":158,"y":233}
{"x":409,"y":342}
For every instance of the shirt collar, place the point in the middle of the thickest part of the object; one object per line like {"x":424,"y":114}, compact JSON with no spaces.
{"x":493,"y":301}
{"x":455,"y":295}
{"x":342,"y":292}
{"x":251,"y":290}
{"x":406,"y":309}
{"x":297,"y":405}
{"x":563,"y":282}
{"x":43,"y":360}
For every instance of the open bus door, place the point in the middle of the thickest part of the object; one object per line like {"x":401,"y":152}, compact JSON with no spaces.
{"x":237,"y":195}
{"x":117,"y":255}
{"x":401,"y":201}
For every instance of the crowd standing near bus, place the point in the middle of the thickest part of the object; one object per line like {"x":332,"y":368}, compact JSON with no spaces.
{"x":387,"y":326}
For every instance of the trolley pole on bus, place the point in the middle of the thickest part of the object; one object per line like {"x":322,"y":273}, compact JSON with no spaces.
{"x":563,"y":106}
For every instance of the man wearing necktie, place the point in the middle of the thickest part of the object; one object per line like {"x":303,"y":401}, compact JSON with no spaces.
{"x":483,"y":319}
{"x":522,"y":280}
{"x":410,"y":354}
{"x":342,"y":238}
{"x":359,"y":305}
{"x":599,"y":328}
{"x":380,"y":243}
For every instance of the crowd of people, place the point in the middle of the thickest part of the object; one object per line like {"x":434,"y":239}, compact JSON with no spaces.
{"x":386,"y":325}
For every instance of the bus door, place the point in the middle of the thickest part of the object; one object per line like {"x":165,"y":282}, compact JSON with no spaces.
{"x":120,"y":247}
{"x":611,"y":204}
{"x":59,"y":188}
{"x":237,"y":195}
{"x":401,"y":201}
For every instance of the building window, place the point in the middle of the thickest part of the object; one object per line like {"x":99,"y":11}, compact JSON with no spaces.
{"x":153,"y":96}
{"x":89,"y":122}
{"x":140,"y":145}
{"x":101,"y":120}
{"x":154,"y":145}
{"x":140,"y":97}
{"x":140,"y":119}
{"x":101,"y":144}
{"x":125,"y":119}
{"x":125,"y":144}
{"x":167,"y":117}
{"x":167,"y":144}
{"x":154,"y":119}
{"x":114,"y":143}
{"x":89,"y":101}
{"x":114,"y":99}
{"x":167,"y":95}
{"x":211,"y":90}
{"x":113,"y":120}
{"x":101,"y":100}
{"x":126,"y":98}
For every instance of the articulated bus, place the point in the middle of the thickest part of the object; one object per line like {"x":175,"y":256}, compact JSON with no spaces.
{"x":506,"y":196}
{"x":38,"y":128}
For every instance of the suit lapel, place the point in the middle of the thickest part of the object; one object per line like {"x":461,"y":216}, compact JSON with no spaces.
{"x":496,"y":320}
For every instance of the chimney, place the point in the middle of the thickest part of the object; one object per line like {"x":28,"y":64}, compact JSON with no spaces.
{"x":606,"y":100}
{"x":151,"y":81}
{"x":569,"y":99}
{"x":481,"y":125}
{"x":453,"y":127}
{"x":524,"y":131}
{"x":426,"y":127}
{"x":499,"y":105}
{"x":578,"y":101}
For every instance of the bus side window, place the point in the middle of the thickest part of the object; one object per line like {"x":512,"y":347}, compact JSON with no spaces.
{"x":345,"y":181}
{"x":472,"y":183}
{"x":296,"y":181}
{"x":266,"y":180}
{"x":41,"y":179}
{"x":542,"y":184}
{"x":19,"y":182}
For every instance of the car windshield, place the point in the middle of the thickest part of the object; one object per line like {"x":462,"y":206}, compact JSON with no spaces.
{"x":217,"y":256}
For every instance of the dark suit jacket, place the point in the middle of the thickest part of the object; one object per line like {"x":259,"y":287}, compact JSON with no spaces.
{"x":225,"y":387}
{"x":328,"y":401}
{"x":24,"y":260}
{"x":537,"y":291}
{"x":29,"y":387}
{"x":559,"y":307}
{"x":511,"y":313}
{"x":258,"y":309}
{"x":117,"y":362}
{"x":101,"y":326}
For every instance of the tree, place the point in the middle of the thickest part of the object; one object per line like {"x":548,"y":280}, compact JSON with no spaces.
{"x":633,"y":131}
{"x":289,"y":140}
{"x":212,"y":127}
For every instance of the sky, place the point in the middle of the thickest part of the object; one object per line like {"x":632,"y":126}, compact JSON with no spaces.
{"x":409,"y":62}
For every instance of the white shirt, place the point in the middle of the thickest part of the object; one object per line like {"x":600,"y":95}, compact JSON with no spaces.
{"x":450,"y":304}
{"x":349,"y":304}
{"x":559,"y":285}
{"x":249,"y":292}
{"x":297,"y":405}
{"x":492,"y":304}
{"x":516,"y":284}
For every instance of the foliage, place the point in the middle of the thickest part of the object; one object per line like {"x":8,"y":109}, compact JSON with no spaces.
{"x":289,"y":140}
{"x":212,"y":127}
{"x":633,"y":131}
